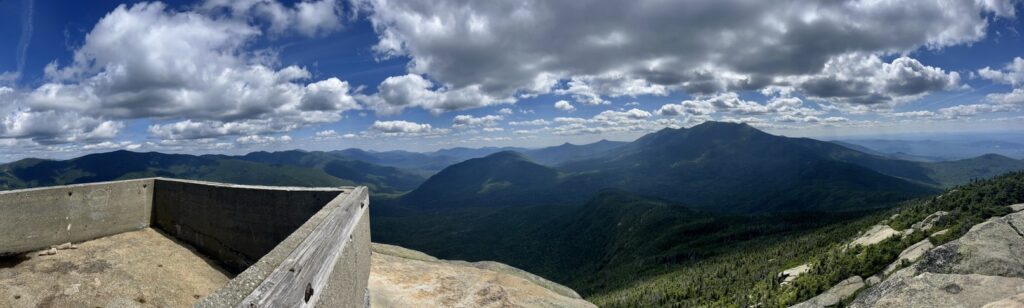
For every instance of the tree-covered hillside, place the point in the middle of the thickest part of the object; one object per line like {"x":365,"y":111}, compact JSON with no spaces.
{"x":292,"y":168}
{"x":380,"y":179}
{"x":703,"y":216}
{"x":503,"y":178}
{"x":746,"y":274}
{"x":128,"y":165}
{"x":624,"y":250}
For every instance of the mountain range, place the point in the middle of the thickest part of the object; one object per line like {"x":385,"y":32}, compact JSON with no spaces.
{"x":290,"y":168}
{"x":432,"y":162}
{"x":719,"y":166}
{"x":938,"y":149}
{"x":670,"y":198}
{"x":597,"y":217}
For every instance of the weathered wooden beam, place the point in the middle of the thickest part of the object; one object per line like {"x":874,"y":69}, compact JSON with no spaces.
{"x":299,"y":280}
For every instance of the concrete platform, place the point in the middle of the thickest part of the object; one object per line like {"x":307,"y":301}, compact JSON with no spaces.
{"x":254,"y":246}
{"x":143,"y":268}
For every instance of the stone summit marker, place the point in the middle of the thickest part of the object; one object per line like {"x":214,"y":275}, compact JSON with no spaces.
{"x":171,"y":243}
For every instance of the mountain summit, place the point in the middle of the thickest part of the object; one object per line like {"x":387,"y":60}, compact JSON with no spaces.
{"x":715,"y":166}
{"x":502,"y":178}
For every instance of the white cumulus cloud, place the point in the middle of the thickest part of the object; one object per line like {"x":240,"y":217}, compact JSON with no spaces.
{"x":564,"y":106}
{"x":399,"y":126}
{"x":594,"y":49}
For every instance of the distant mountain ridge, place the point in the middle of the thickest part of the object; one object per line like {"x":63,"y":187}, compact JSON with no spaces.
{"x":567,"y":152}
{"x":437,"y":160}
{"x":126,"y":165}
{"x":714,"y":165}
{"x":946,"y":173}
{"x":425,"y":162}
{"x":401,"y":171}
{"x":893,"y":155}
{"x":290,"y":168}
{"x":383,"y":172}
{"x":940,"y":150}
{"x":379,"y":178}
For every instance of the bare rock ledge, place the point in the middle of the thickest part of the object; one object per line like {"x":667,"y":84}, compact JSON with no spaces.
{"x":844,"y":289}
{"x":401,"y":277}
{"x":984,"y":267}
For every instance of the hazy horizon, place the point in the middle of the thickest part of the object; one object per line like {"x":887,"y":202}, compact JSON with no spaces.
{"x":1006,"y":136}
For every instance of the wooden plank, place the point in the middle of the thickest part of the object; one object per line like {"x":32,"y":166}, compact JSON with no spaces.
{"x":299,"y":280}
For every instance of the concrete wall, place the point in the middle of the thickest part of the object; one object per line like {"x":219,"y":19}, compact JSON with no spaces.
{"x":348,"y":284}
{"x":37,"y":218}
{"x":349,"y":273}
{"x":257,"y":232}
{"x":234,"y":224}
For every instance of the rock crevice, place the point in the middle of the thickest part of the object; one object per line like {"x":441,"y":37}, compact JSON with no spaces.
{"x":1015,"y":228}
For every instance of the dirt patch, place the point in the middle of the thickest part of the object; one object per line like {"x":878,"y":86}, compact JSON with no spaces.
{"x":59,"y":267}
{"x":95,"y":267}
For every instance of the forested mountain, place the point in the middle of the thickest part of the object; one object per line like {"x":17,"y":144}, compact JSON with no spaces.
{"x":292,"y":168}
{"x":746,"y":273}
{"x":621,"y":249}
{"x":693,"y":165}
{"x":557,"y":155}
{"x":432,"y":162}
{"x":127,"y":165}
{"x":463,"y":153}
{"x":607,"y":240}
{"x":715,"y":166}
{"x":696,"y":200}
{"x":426,"y":163}
{"x":892,"y":155}
{"x":735,"y":167}
{"x":378,"y":178}
{"x":503,"y":178}
{"x":938,"y":174}
{"x":956,"y":172}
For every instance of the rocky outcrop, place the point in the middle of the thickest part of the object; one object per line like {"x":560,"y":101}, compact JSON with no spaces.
{"x":930,"y":221}
{"x":402,"y":277}
{"x":939,"y":233}
{"x":873,"y":280}
{"x":984,"y":266}
{"x":1015,"y":301}
{"x":909,"y":255}
{"x":938,"y":290}
{"x":994,"y":247}
{"x":835,"y":295}
{"x":790,"y":274}
{"x":876,"y":234}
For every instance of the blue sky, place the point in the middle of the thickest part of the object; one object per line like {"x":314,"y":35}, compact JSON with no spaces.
{"x":237,"y":76}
